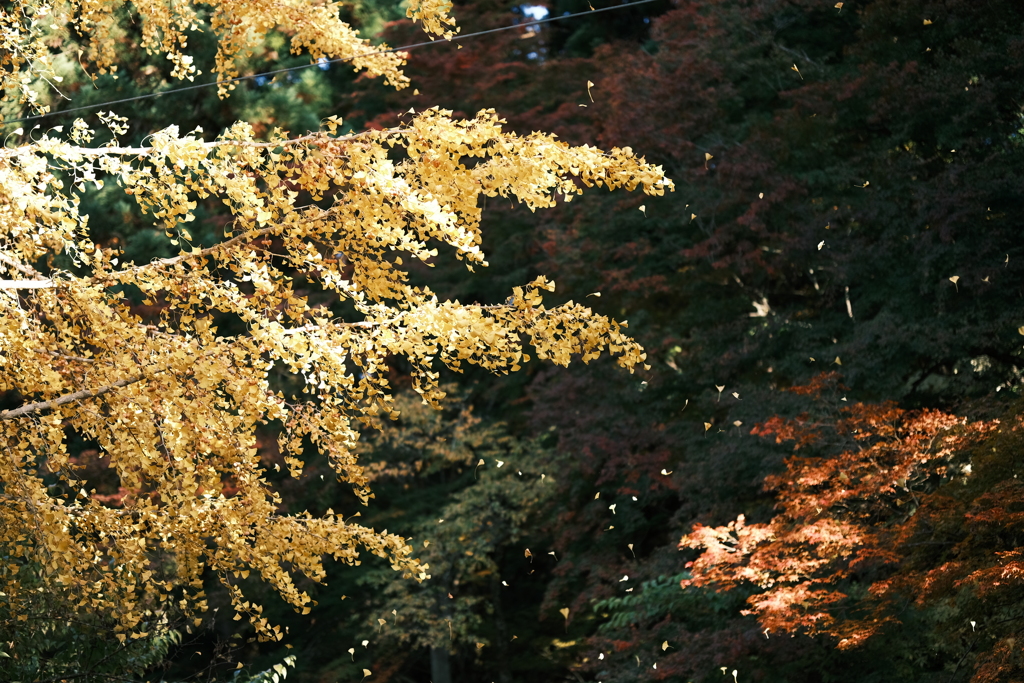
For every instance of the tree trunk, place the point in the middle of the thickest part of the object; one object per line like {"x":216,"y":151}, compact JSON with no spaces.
{"x":501,"y":631}
{"x":440,"y":667}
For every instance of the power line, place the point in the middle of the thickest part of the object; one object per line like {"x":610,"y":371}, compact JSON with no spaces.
{"x":340,"y":60}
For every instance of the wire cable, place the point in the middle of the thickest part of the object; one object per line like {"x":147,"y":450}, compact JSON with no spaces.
{"x":340,"y":60}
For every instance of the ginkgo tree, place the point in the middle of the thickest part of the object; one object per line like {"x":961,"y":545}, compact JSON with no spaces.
{"x":230,"y":345}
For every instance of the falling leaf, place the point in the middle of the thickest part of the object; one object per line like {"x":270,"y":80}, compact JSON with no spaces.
{"x":625,"y":577}
{"x":597,"y":294}
{"x":720,"y":390}
{"x":766,"y":634}
{"x":589,"y":86}
{"x":612,"y":507}
{"x":643,"y":210}
{"x":927,"y":22}
{"x":736,"y":395}
{"x":707,"y":426}
{"x":794,"y":67}
{"x":634,"y":498}
{"x":630,"y":546}
{"x":839,"y":6}
{"x":365,"y":643}
{"x":238,"y":667}
{"x":737,"y":423}
{"x":367,"y":672}
{"x":500,"y":463}
{"x":664,"y":646}
{"x":598,"y":494}
{"x":821,"y":244}
{"x":954,"y":280}
{"x":601,"y":656}
{"x":527,"y":553}
{"x":564,"y":612}
{"x":666,"y":472}
{"x":692,"y":216}
{"x":1020,"y":330}
{"x":352,"y":651}
{"x":504,"y":584}
{"x":837,"y":361}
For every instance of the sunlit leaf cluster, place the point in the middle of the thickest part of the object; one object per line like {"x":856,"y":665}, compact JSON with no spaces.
{"x":230,"y":342}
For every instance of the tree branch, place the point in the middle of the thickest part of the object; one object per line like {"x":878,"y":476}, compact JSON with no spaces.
{"x":146,"y":151}
{"x":26,"y":284}
{"x":40,"y":406}
{"x":20,"y":267}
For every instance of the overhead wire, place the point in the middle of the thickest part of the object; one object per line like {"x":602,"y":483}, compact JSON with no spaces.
{"x":322,"y":63}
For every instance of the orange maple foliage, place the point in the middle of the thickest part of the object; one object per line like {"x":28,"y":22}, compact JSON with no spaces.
{"x":845,"y":513}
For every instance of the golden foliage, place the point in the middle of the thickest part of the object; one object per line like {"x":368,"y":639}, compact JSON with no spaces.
{"x":173,"y":403}
{"x":30,"y":27}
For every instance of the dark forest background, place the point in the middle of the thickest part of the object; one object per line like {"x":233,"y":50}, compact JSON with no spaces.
{"x":847,"y":215}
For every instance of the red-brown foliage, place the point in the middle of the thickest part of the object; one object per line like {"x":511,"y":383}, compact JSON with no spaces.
{"x":848,"y":515}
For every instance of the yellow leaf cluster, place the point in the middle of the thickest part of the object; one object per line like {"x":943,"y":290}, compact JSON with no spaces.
{"x":29,"y":29}
{"x":172,"y":402}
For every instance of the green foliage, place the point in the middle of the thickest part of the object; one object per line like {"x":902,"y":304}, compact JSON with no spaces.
{"x":79,"y":648}
{"x":658,"y":598}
